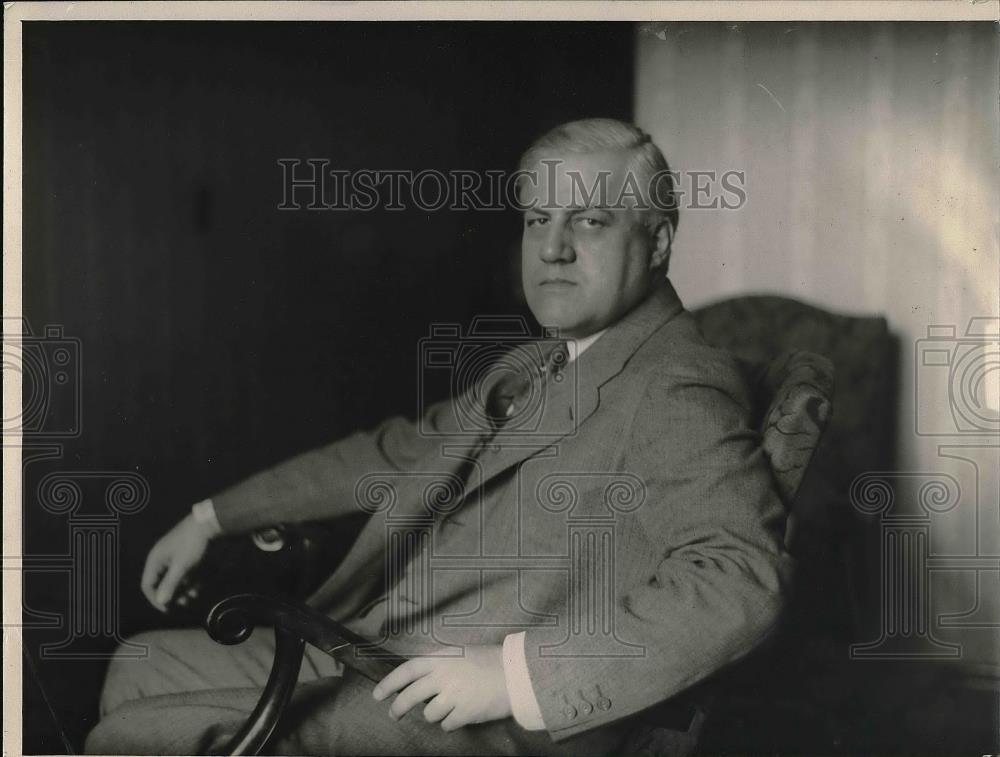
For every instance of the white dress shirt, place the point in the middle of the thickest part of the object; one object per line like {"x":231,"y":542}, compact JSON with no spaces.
{"x":523,"y":702}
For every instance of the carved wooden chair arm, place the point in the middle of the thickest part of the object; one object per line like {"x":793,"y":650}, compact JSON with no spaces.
{"x":295,"y":624}
{"x":289,"y":560}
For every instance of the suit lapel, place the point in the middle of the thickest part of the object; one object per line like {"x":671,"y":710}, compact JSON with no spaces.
{"x":569,"y":403}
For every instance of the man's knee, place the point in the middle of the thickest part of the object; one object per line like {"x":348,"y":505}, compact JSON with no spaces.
{"x":107,"y":736}
{"x":115,"y":734}
{"x":155,"y":726}
{"x":130,"y":668}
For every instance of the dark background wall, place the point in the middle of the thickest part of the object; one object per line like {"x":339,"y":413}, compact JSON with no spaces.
{"x":218,"y":334}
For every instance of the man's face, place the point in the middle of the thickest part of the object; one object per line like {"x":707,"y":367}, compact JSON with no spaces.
{"x":585,"y":263}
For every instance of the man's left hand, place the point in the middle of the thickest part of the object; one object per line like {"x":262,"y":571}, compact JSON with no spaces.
{"x":458,"y":690}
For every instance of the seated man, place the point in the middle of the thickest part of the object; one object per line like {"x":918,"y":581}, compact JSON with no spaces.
{"x":609,"y":537}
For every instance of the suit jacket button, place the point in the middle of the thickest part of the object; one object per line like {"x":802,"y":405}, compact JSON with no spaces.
{"x":604,"y":704}
{"x":586,"y":708}
{"x":570,"y":712}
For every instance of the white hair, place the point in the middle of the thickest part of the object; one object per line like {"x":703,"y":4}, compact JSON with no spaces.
{"x":592,"y":135}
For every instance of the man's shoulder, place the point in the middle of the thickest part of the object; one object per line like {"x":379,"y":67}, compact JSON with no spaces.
{"x":677,"y":354}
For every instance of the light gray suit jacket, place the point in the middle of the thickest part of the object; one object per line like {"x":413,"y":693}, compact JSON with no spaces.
{"x":635,"y":533}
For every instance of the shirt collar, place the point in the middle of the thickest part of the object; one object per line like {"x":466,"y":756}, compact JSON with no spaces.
{"x":576,"y":347}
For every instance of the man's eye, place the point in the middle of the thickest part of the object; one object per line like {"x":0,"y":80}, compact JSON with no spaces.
{"x":536,"y":221}
{"x":590,"y":223}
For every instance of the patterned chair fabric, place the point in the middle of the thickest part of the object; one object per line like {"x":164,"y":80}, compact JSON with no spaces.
{"x":799,"y":386}
{"x":792,"y":397}
{"x":832,"y":542}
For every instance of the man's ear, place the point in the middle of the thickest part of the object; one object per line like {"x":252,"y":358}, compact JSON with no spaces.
{"x":663,"y":239}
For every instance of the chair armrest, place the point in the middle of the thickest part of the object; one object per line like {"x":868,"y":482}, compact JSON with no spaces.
{"x":295,"y":623}
{"x":312,"y":551}
{"x":271,"y":539}
{"x":288,"y":651}
{"x":290,"y":560}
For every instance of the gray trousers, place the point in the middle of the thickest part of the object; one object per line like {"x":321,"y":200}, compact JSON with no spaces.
{"x":190,"y":695}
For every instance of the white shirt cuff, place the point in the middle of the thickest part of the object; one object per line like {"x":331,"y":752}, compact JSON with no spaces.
{"x":523,"y":703}
{"x":204,"y":514}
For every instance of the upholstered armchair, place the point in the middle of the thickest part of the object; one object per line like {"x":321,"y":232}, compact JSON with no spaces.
{"x":790,"y":696}
{"x":788,"y":351}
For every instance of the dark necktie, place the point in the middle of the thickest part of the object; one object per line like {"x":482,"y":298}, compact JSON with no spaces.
{"x":514,"y":396}
{"x":512,"y":399}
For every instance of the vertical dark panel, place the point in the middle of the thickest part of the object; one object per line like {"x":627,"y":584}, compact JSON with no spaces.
{"x":218,"y":333}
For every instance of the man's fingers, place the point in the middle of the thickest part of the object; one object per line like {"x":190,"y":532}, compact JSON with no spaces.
{"x":402,"y":676}
{"x":437,"y":709}
{"x":453,"y":722}
{"x":169,"y":584}
{"x":151,"y":574}
{"x":187,"y":595}
{"x":419,"y":691}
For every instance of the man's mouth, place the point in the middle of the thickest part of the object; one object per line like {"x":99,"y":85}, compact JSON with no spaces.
{"x":557,"y":283}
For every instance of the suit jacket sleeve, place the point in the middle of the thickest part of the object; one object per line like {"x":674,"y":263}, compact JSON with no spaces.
{"x":319,"y":484}
{"x":713,"y":581}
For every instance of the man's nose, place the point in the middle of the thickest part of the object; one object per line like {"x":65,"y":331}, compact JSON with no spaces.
{"x":558,"y":246}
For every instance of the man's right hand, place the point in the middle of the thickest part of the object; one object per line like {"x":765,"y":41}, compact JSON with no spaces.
{"x":172,"y":558}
